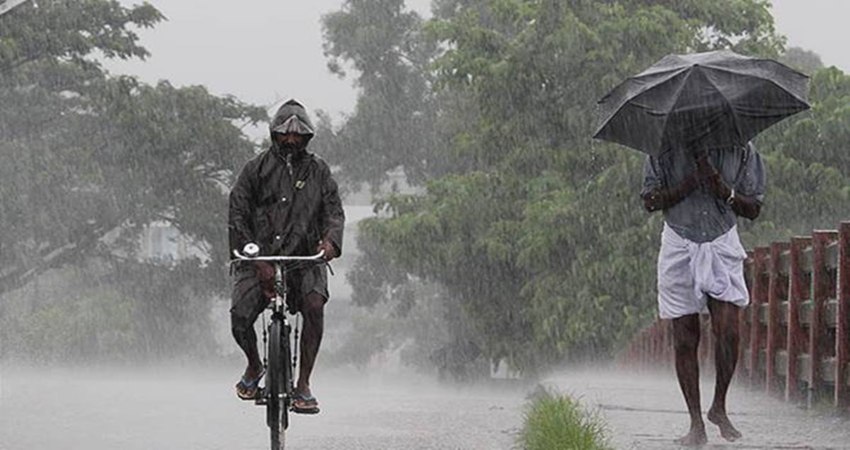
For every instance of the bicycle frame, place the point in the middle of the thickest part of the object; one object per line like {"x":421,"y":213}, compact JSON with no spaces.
{"x":279,"y":364}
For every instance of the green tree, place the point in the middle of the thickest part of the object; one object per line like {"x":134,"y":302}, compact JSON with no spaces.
{"x":801,"y":59}
{"x":393,"y":125}
{"x":537,"y":232}
{"x":88,"y":160}
{"x":808,"y":165}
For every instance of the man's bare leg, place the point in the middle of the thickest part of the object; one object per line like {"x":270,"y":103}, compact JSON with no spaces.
{"x":724,"y":325}
{"x":243,"y":331}
{"x":255,"y":366}
{"x":246,"y":338}
{"x":313,"y":311}
{"x":254,"y":290}
{"x":686,"y":334}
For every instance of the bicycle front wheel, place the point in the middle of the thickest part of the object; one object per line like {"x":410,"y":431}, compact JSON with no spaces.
{"x":276,"y":412}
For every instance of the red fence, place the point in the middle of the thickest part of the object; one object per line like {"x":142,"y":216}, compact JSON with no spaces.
{"x":795,"y":335}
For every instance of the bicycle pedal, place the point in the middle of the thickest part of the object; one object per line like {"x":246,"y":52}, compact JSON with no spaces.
{"x":307,"y":411}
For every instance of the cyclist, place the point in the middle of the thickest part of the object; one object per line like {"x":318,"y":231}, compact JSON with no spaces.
{"x":286,"y":201}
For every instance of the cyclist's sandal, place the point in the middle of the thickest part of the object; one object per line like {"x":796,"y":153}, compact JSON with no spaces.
{"x":247,"y":389}
{"x":305,"y":404}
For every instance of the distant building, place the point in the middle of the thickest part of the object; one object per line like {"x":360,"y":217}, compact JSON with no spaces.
{"x":162,"y":242}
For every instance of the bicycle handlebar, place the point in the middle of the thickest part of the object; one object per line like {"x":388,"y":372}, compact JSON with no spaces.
{"x":240,"y":257}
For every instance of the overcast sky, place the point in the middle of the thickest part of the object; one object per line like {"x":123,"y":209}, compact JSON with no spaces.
{"x":266,"y":51}
{"x":261,"y":51}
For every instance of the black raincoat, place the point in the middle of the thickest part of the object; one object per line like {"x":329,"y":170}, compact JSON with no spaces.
{"x":285,"y":201}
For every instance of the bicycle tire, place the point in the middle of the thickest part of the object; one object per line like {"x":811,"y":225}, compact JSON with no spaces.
{"x":276,"y":412}
{"x":287,"y":375}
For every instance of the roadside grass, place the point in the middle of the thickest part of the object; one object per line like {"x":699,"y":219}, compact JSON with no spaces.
{"x":555,"y":421}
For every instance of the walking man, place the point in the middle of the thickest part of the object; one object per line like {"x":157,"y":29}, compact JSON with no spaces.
{"x":700,"y":264}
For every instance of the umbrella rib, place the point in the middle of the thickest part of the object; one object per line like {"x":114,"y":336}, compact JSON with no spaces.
{"x":641,"y":91}
{"x":748,"y":75}
{"x":803,"y":102}
{"x":678,"y":95}
{"x":728,"y":104}
{"x":672,"y":73}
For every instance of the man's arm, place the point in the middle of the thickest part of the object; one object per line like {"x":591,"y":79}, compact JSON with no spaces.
{"x":240,"y":221}
{"x":743,"y":205}
{"x":333,"y":216}
{"x":656,"y":195}
{"x":662,"y":198}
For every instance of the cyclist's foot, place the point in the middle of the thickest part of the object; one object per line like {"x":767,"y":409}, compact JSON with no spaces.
{"x":249,"y":385}
{"x":305,"y":404}
{"x":253,"y":372}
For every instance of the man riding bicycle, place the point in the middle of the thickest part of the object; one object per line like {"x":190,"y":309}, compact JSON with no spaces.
{"x":285,"y":201}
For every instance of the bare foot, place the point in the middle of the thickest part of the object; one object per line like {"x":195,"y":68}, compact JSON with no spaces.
{"x":695,"y":438}
{"x":727,"y":430}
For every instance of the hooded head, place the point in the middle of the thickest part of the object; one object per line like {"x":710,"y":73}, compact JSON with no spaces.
{"x":290,"y":119}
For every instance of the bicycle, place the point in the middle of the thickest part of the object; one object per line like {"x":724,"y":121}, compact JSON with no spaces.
{"x":279,"y":360}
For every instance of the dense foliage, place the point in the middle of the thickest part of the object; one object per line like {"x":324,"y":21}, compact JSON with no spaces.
{"x":535,"y":230}
{"x":524,"y":241}
{"x":87,"y":161}
{"x":394,"y":118}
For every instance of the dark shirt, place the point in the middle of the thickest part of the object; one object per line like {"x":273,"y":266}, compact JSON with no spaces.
{"x":701,"y":216}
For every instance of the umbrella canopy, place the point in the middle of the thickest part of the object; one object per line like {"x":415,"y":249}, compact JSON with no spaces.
{"x":7,"y":5}
{"x":700,"y":100}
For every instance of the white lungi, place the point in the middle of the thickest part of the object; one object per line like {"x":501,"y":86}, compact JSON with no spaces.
{"x":688,"y":272}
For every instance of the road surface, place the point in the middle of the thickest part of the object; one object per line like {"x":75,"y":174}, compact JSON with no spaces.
{"x":168,"y":408}
{"x":647,"y":411}
{"x":184,"y":409}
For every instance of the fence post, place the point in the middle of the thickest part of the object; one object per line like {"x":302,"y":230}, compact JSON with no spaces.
{"x":759,"y":292}
{"x":775,"y":294}
{"x":842,"y":333}
{"x":799,"y":291}
{"x":821,"y":290}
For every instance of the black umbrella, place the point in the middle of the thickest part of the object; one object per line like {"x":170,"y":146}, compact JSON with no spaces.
{"x":700,"y":100}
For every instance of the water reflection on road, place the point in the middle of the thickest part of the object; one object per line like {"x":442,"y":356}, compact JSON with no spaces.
{"x":164,"y":408}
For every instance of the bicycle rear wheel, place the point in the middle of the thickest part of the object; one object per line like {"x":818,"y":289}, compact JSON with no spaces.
{"x":277,"y":382}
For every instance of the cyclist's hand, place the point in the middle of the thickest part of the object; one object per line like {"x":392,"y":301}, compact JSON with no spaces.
{"x":328,"y":248}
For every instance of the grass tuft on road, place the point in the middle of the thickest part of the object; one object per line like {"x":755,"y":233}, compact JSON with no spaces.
{"x":557,"y":422}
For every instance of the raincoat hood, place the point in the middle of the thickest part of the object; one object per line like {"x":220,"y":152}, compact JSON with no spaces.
{"x":291,"y":117}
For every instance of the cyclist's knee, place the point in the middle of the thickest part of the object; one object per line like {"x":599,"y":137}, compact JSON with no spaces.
{"x":239,"y":325}
{"x":313,"y":305}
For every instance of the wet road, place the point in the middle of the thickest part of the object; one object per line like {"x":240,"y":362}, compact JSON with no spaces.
{"x":647,"y":411}
{"x":159,"y":408}
{"x":178,"y":409}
